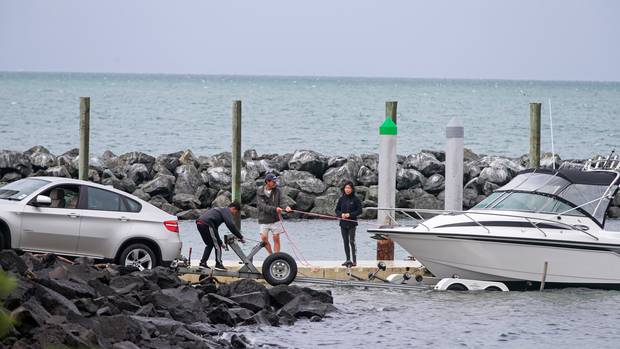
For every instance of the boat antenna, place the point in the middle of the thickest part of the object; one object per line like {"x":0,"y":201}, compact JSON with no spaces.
{"x":551,"y":126}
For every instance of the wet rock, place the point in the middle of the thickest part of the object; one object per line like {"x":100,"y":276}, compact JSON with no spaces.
{"x":23,"y":290}
{"x":137,"y":173}
{"x":251,"y":171}
{"x":162,"y":185}
{"x":163,"y":277}
{"x":250,"y":154}
{"x":285,"y":318}
{"x":489,"y":188}
{"x":282,"y":294}
{"x":119,"y":328}
{"x":166,"y":162}
{"x":373,"y":193}
{"x":125,"y":345}
{"x":216,"y":299}
{"x":185,"y":201}
{"x":321,"y":296}
{"x":14,"y":160}
{"x":254,"y":301}
{"x":223,"y":199}
{"x":304,"y":306}
{"x":58,"y":171}
{"x":434,"y":184}
{"x":303,"y":181}
{"x":219,"y":178}
{"x":10,"y":261}
{"x":469,"y":197}
{"x":308,"y":161}
{"x":316,"y":318}
{"x":336,"y":161}
{"x":496,"y":175}
{"x":326,"y":204}
{"x":304,"y":202}
{"x":222,"y":315}
{"x":54,"y":302}
{"x":188,"y":179}
{"x":426,"y":163}
{"x":337,"y":176}
{"x":69,"y":289}
{"x":141,"y":194}
{"x":136,"y":157}
{"x":127,"y":284}
{"x":367,"y":176}
{"x":239,"y":341}
{"x":409,"y":178}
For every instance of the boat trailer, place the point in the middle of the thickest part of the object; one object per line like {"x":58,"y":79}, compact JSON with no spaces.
{"x":281,"y":269}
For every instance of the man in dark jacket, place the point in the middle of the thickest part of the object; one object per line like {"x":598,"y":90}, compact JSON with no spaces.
{"x":268,"y":200}
{"x":348,"y":208}
{"x":208,"y":224}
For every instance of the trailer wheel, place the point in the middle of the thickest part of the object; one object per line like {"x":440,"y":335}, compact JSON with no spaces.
{"x":457,"y":287}
{"x":279,"y":269}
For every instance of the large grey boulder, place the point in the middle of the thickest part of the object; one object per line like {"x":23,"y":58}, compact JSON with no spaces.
{"x":161,"y":185}
{"x":326,"y":204}
{"x":185,"y":201}
{"x":309,"y":161}
{"x":58,"y":171}
{"x":14,"y":160}
{"x":548,"y":160}
{"x":373,"y":193}
{"x":167,"y":162}
{"x":219,"y":178}
{"x":337,"y":176}
{"x":409,"y":178}
{"x":218,"y":160}
{"x":303,"y":181}
{"x":137,"y":173}
{"x":370,"y":160}
{"x":366,"y":176}
{"x":470,"y":194}
{"x":40,"y":157}
{"x":425,"y":163}
{"x":251,"y":171}
{"x":188,"y":180}
{"x":304,"y":202}
{"x":188,"y":158}
{"x":496,"y":175}
{"x":336,"y":161}
{"x":136,"y":157}
{"x":434,"y":184}
{"x":248,"y":192}
{"x":223,"y":199}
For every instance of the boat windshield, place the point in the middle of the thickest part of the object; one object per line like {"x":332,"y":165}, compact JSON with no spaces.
{"x":20,"y":189}
{"x":561,"y":191}
{"x":529,"y":202}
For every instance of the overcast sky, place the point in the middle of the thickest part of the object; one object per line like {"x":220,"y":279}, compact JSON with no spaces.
{"x":520,"y":39}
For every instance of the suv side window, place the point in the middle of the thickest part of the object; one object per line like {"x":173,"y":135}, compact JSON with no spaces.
{"x":103,"y":200}
{"x":63,"y":196}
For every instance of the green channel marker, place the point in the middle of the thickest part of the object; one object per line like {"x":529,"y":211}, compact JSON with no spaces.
{"x":388,"y":127}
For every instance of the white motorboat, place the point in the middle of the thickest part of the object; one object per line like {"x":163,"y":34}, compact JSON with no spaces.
{"x":542,"y":219}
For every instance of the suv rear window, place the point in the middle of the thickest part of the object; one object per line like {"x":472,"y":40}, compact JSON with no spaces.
{"x":103,"y":200}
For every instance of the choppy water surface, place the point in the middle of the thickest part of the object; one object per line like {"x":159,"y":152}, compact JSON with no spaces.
{"x":167,"y":113}
{"x":571,"y":318}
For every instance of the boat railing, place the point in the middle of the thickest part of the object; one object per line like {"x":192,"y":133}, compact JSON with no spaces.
{"x":533,"y":221}
{"x":611,"y":162}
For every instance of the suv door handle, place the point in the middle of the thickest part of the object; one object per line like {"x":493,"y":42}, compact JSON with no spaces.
{"x":73,"y":215}
{"x":124,"y":219}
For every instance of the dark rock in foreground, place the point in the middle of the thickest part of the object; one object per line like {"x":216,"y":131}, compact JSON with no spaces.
{"x":58,"y":304}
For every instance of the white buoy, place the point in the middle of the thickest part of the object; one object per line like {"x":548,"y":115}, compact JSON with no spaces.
{"x":387,"y":171}
{"x":454,"y":165}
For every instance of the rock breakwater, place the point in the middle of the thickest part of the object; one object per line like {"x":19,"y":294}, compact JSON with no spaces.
{"x":59,"y":303}
{"x":185,"y":184}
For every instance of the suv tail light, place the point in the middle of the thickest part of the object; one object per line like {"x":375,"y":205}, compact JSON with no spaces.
{"x":173,"y":226}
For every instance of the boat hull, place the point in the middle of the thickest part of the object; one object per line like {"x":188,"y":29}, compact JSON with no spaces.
{"x":517,"y":262}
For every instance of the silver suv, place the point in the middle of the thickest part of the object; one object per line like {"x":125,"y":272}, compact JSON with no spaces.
{"x":79,"y":218}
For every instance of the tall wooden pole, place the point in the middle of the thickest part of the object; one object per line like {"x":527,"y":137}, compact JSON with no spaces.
{"x":535,"y":135}
{"x":84,"y":138}
{"x":236,"y":157}
{"x":387,"y":177}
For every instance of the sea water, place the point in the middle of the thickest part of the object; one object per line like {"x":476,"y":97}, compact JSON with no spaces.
{"x":336,"y":116}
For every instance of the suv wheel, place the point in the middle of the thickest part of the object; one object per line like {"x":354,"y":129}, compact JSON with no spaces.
{"x":138,"y":255}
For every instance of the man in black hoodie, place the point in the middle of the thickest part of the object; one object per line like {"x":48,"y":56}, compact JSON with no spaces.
{"x":207,"y":225}
{"x":348,"y":208}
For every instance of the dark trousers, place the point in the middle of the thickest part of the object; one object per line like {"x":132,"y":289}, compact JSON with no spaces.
{"x":348,"y":237}
{"x":212,"y":240}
